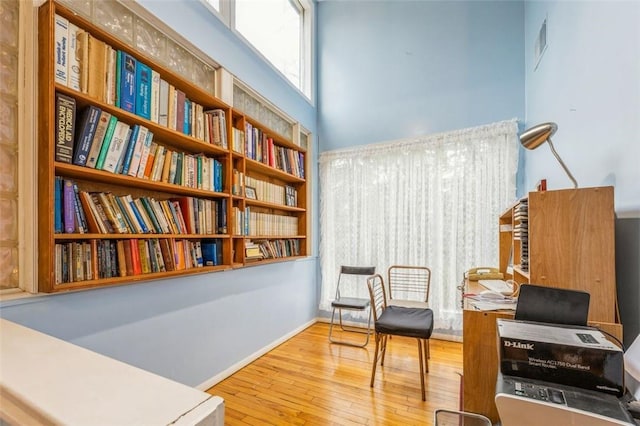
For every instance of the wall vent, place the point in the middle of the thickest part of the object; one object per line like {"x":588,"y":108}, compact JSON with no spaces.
{"x":541,"y":43}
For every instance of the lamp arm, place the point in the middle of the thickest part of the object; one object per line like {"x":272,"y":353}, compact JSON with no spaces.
{"x":553,"y":150}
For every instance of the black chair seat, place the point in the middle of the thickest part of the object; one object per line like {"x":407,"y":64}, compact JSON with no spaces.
{"x":350,"y":303}
{"x":408,"y":322}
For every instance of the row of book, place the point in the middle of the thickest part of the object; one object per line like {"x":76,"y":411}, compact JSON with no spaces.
{"x":273,"y":249}
{"x":82,"y":212}
{"x":99,"y":140}
{"x":266,"y":191}
{"x":88,"y":65}
{"x":246,"y":222}
{"x":260,"y":147}
{"x":98,"y":259}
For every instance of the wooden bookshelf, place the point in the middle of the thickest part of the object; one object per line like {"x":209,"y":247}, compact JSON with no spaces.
{"x":214,"y":203}
{"x":571,"y":245}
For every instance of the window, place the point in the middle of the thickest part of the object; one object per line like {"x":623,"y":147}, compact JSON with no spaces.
{"x":279,"y":30}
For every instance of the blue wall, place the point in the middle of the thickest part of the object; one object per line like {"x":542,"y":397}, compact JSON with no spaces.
{"x":396,"y":69}
{"x":193,"y":328}
{"x":588,"y":82}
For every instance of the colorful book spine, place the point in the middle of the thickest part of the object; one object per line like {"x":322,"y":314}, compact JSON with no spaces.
{"x":140,"y":144}
{"x":118,"y":78}
{"x":155,"y":96}
{"x":65,"y":121}
{"x":85,"y":134}
{"x":98,"y":138}
{"x":146,"y":153}
{"x":57,"y":205}
{"x":61,"y":34}
{"x":163,"y":103}
{"x":106,"y":143}
{"x":143,"y":90}
{"x":128,"y":83}
{"x":116,"y":147}
{"x":68,"y":208}
{"x":73,"y":59}
{"x":131,"y":145}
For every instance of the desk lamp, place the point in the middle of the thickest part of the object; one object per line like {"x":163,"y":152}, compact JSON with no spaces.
{"x":537,"y":135}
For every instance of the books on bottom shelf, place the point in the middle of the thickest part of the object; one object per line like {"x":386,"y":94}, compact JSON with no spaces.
{"x":272,"y":249}
{"x":100,"y":259}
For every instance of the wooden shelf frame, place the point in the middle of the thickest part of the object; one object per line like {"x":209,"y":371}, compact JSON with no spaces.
{"x":93,"y":179}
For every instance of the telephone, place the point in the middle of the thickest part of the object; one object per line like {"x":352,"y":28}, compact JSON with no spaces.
{"x":484,"y":273}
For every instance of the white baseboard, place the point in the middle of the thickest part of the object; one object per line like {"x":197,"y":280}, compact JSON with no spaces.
{"x":248,"y":360}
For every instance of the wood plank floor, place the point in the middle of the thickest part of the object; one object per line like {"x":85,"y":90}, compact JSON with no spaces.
{"x":308,"y":381}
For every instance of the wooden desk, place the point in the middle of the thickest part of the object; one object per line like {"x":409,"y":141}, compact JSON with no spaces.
{"x":480,"y":356}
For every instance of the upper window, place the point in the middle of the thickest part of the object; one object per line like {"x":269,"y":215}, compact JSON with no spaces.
{"x":280,"y":30}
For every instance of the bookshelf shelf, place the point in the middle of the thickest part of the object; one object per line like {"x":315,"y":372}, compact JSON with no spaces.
{"x":270,"y":171}
{"x":152,"y":170}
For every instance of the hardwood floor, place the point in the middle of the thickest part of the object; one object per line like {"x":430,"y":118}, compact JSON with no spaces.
{"x":308,"y":381}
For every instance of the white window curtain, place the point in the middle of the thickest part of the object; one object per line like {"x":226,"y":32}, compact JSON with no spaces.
{"x":432,"y":201}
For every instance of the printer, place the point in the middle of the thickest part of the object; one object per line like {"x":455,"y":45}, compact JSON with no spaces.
{"x":558,"y":375}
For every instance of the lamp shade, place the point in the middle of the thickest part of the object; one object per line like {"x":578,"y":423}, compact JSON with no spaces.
{"x":537,"y":135}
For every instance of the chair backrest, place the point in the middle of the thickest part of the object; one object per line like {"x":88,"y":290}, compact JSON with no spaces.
{"x":355,"y":271}
{"x":442,"y":417}
{"x":409,"y":282}
{"x":377,"y":294}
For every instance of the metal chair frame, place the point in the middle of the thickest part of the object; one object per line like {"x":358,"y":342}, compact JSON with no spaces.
{"x":378,"y":297}
{"x":351,"y":303}
{"x":462,"y":418}
{"x":409,"y":286}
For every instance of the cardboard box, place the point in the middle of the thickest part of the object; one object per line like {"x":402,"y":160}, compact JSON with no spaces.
{"x":574,"y":356}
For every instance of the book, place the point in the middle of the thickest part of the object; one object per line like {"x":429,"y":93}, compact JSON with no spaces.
{"x":97,"y":68}
{"x":166,"y":167}
{"x":156,"y":171}
{"x":163,"y":103}
{"x":118,"y":82}
{"x":143,"y":90}
{"x":166,"y":247}
{"x":86,"y":130}
{"x":73,"y":59}
{"x":81,"y":219}
{"x":128,"y":83}
{"x":106,"y":143}
{"x":127,"y":215}
{"x":155,"y":96}
{"x":144,"y":257}
{"x":171,"y":107}
{"x":110,"y":75}
{"x":65,"y":127}
{"x":122,"y":263}
{"x":180,"y":117}
{"x":140,"y":143}
{"x":146,"y":204}
{"x":103,"y":221}
{"x":68,"y":207}
{"x":131,"y":145}
{"x":57,"y":205}
{"x":150,"y":161}
{"x":135,"y":257}
{"x":116,"y":147}
{"x":61,"y":34}
{"x":93,"y":221}
{"x":144,"y":154}
{"x":98,"y":138}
